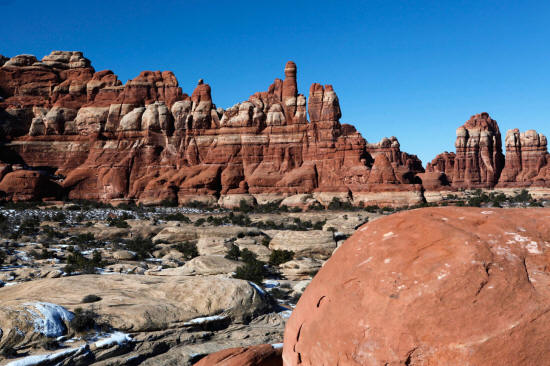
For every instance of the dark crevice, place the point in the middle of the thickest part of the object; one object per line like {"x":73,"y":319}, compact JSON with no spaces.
{"x":319,"y":302}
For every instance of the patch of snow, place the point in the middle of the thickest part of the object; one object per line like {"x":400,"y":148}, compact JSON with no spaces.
{"x":387,"y":260}
{"x":205,"y":319}
{"x":388,"y":235}
{"x":277,"y":345}
{"x":49,"y":318}
{"x":117,"y":337}
{"x":258,"y":288}
{"x":271,"y":283}
{"x":442,"y":275}
{"x":285,"y":314}
{"x":487,"y":212}
{"x":533,"y":248}
{"x":42,"y":359}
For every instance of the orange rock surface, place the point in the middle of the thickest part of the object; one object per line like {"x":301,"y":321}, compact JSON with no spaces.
{"x":434,"y":286}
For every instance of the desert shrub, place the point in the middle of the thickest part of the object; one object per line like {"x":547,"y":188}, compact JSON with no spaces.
{"x":84,"y":241}
{"x":247,"y":256}
{"x":52,"y":233}
{"x":59,"y":217}
{"x":241,"y":235}
{"x":372,"y":208}
{"x":265,"y":241}
{"x":280,"y":256}
{"x":251,"y":271}
{"x":245,"y":207}
{"x":117,"y":222}
{"x":43,"y":254}
{"x":234,"y":253}
{"x":90,"y":298}
{"x":199,"y":222}
{"x":188,"y":249}
{"x":337,"y":204}
{"x":141,"y":246}
{"x":177,"y":217}
{"x":78,"y":262}
{"x":29,"y":226}
{"x":522,"y":196}
{"x":3,"y":256}
{"x":83,"y":320}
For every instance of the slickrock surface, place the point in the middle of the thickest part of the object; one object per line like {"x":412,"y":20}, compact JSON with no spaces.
{"x":435,"y":286}
{"x":261,"y":355}
{"x":148,"y":141}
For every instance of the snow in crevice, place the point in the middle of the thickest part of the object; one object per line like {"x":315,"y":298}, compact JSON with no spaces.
{"x":205,"y":319}
{"x":43,"y":359}
{"x":115,"y":338}
{"x":49,"y":319}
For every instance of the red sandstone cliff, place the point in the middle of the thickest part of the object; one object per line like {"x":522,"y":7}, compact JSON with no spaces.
{"x":148,"y":141}
{"x":479,"y":162}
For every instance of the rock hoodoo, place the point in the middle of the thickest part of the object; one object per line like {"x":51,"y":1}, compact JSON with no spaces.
{"x":479,"y":162}
{"x":147,"y":141}
{"x":437,"y":286}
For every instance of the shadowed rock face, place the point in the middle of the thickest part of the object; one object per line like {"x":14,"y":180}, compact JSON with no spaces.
{"x":148,"y":141}
{"x":436,"y":286}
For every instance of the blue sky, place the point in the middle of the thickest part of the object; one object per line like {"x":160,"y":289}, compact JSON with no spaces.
{"x":413,"y":69}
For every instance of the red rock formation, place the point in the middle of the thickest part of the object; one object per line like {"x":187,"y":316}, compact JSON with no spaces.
{"x":436,"y":286}
{"x":147,"y":141}
{"x":261,"y":355}
{"x":527,"y":160}
{"x":478,"y":162}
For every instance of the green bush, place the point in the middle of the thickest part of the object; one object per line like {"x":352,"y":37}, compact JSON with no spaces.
{"x":143,"y":247}
{"x":59,"y":217}
{"x":280,"y":256}
{"x":83,"y":320}
{"x":251,"y":271}
{"x":234,"y":253}
{"x":199,"y":222}
{"x":177,"y":217}
{"x":188,"y":249}
{"x":118,"y":222}
{"x":522,"y":197}
{"x":85,"y":241}
{"x":78,"y":262}
{"x":3,"y":256}
{"x":247,"y":256}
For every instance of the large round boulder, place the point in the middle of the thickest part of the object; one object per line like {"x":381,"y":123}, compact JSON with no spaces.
{"x":434,"y":286}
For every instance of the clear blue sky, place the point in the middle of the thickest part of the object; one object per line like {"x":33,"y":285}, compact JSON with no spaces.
{"x":413,"y":69}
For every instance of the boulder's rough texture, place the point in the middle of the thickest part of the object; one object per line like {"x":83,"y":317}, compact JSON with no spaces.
{"x":436,"y":286}
{"x":148,"y":141}
{"x":261,"y":355}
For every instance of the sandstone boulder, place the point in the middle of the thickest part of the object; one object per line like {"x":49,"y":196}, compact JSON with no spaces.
{"x":261,"y":355}
{"x":438,"y":286}
{"x":138,"y":303}
{"x":316,"y":244}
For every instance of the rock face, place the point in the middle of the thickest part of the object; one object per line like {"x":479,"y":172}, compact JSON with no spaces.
{"x":130,"y":306}
{"x":479,"y":162}
{"x":148,"y":141}
{"x":527,"y":159}
{"x":437,"y":286}
{"x":261,"y":355}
